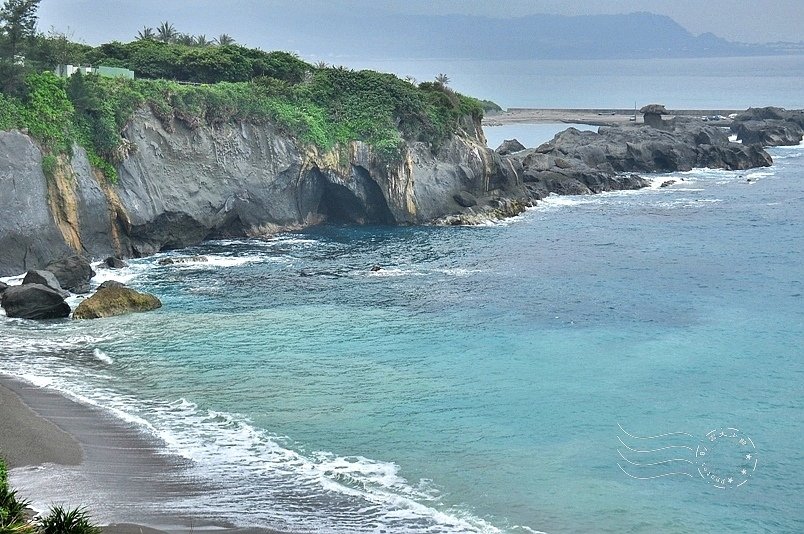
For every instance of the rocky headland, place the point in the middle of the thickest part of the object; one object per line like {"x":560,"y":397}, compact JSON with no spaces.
{"x":180,"y":185}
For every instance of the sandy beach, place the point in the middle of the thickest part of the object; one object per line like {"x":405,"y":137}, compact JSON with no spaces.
{"x":62,"y":452}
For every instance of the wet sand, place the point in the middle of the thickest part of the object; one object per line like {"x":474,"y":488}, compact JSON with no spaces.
{"x":63,"y":452}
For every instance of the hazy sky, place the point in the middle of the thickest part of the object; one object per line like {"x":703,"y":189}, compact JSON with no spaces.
{"x":95,"y":21}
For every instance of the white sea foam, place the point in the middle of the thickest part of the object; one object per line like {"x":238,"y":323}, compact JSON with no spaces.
{"x":247,"y":461}
{"x":102,"y":356}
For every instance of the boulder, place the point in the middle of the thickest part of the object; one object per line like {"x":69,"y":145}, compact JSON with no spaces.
{"x":45,"y":278}
{"x":183,"y":259}
{"x":34,"y":301}
{"x":3,"y":287}
{"x":465,"y":199}
{"x":112,"y":301}
{"x":73,"y":273}
{"x":111,"y":283}
{"x":114,"y":263}
{"x":510,"y":146}
{"x":375,"y":268}
{"x":667,"y":183}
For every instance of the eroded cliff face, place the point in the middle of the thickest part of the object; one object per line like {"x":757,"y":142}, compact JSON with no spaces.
{"x":179,"y":186}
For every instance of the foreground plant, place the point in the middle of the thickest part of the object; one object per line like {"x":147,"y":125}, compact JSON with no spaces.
{"x":63,"y":521}
{"x":12,"y":509}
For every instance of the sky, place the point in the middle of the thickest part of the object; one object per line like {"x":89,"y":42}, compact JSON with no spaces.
{"x":97,"y":21}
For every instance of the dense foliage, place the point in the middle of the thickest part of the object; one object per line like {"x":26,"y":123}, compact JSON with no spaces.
{"x":323,"y":107}
{"x":190,"y":80}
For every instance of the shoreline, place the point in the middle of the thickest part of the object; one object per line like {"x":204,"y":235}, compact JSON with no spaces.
{"x":63,"y":452}
{"x":592,"y":117}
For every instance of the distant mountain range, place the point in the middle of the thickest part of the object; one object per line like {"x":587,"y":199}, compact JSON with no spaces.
{"x":636,"y":35}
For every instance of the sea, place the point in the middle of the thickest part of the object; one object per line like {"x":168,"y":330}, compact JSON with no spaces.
{"x":624,"y":362}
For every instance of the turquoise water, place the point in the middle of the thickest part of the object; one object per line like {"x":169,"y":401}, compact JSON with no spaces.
{"x":477,"y":382}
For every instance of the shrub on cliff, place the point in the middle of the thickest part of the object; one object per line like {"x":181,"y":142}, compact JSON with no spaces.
{"x":319,"y":106}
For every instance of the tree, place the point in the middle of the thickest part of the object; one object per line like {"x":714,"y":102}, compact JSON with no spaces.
{"x":442,"y":79}
{"x":202,"y":41}
{"x":225,"y":39}
{"x":184,"y":39}
{"x":18,"y":23}
{"x":146,"y":34}
{"x":166,"y":32}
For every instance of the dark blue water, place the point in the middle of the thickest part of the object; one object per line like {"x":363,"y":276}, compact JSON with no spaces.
{"x":480,"y":380}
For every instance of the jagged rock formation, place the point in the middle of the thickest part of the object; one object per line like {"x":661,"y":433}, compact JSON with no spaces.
{"x":770,"y":126}
{"x":178,"y":186}
{"x":509,"y":146}
{"x":182,"y":186}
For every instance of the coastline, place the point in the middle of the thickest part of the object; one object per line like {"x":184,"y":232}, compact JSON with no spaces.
{"x":592,"y":117}
{"x":63,"y":452}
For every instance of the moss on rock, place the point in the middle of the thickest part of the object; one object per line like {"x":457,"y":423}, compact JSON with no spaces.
{"x":112,"y":301}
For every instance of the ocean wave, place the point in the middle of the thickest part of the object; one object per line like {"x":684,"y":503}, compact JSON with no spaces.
{"x":336,"y":493}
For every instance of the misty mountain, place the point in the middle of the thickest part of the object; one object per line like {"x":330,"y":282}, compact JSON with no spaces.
{"x":636,"y":35}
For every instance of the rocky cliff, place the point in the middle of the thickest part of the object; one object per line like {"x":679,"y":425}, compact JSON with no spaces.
{"x":182,"y":186}
{"x":179,"y":185}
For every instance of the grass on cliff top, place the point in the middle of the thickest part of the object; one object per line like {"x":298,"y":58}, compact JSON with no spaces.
{"x":322,"y":107}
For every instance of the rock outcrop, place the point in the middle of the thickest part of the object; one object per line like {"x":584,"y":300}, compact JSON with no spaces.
{"x":45,"y":278}
{"x":769,"y":127}
{"x":73,"y":273}
{"x":509,"y":146}
{"x":179,"y":186}
{"x":34,"y":301}
{"x":114,"y":300}
{"x":114,"y":263}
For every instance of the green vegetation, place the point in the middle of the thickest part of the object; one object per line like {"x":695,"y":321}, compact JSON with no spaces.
{"x":490,"y":107}
{"x":185,"y":79}
{"x":13,"y":519}
{"x":64,"y":521}
{"x":12,"y":509}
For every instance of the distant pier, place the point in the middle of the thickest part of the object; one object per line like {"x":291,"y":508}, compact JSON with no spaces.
{"x":596,"y":117}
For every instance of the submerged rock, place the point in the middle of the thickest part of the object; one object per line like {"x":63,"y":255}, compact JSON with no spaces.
{"x":34,"y":301}
{"x":73,"y":273}
{"x":112,"y":301}
{"x":113,"y":262}
{"x":183,"y":259}
{"x":45,"y":278}
{"x":667,"y":183}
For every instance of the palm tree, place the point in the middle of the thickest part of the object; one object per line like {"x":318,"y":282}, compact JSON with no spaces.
{"x":146,"y":34}
{"x":184,"y":39}
{"x":201,"y":40}
{"x":225,"y":39}
{"x":321,"y":65}
{"x":166,"y":32}
{"x":442,"y":79}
